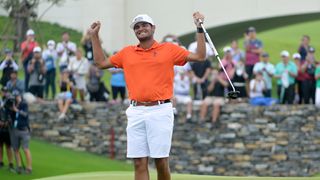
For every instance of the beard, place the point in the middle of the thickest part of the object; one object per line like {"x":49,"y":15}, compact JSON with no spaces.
{"x":144,"y":39}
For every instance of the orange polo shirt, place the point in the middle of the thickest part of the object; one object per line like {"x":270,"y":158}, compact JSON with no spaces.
{"x":149,"y":72}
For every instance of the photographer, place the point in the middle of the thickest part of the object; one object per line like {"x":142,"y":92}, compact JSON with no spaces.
{"x":7,"y":66}
{"x":5,"y":125}
{"x":37,"y":70}
{"x":21,"y":132}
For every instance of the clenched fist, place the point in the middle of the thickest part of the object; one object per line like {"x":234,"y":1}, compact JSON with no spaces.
{"x":94,"y":28}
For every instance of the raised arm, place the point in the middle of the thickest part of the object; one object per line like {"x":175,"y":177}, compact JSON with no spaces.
{"x":100,"y":60}
{"x":200,"y":54}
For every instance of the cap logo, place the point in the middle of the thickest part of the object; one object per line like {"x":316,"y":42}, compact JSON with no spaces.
{"x":138,"y":19}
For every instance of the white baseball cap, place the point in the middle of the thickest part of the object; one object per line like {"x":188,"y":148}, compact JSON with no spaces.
{"x":284,"y":53}
{"x":227,"y":49}
{"x":37,"y":49}
{"x":296,"y":56}
{"x":141,"y":18}
{"x":30,"y":32}
{"x":51,"y":43}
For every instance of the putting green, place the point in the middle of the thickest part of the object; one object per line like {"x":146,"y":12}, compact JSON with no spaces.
{"x":129,"y":175}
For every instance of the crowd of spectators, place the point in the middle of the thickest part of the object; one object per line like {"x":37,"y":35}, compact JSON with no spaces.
{"x":294,"y":79}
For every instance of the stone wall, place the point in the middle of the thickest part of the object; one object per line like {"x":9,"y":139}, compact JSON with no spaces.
{"x":262,"y":141}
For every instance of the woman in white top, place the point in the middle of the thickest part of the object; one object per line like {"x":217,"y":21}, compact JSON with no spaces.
{"x":79,"y":67}
{"x":257,"y":86}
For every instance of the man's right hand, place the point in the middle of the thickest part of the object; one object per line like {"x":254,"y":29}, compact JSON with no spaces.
{"x":94,"y":28}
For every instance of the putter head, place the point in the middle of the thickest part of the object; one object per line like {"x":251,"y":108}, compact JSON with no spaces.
{"x":233,"y":94}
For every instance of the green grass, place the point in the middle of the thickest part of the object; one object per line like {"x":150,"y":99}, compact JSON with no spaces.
{"x":51,"y":160}
{"x":129,"y":175}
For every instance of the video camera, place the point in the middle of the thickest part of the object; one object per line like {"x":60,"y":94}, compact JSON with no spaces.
{"x":9,"y":101}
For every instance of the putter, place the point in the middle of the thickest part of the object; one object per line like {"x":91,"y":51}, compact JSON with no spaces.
{"x":232,"y":94}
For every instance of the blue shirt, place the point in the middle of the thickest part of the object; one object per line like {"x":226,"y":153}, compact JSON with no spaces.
{"x":117,"y":79}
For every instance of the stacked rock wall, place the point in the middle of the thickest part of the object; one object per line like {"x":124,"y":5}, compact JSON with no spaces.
{"x":263,"y":141}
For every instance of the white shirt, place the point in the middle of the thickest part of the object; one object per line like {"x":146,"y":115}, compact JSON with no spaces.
{"x":61,"y":47}
{"x":79,"y":67}
{"x":185,"y":68}
{"x":264,"y":68}
{"x":14,"y":65}
{"x":259,"y":88}
{"x":181,"y":86}
{"x":193,"y":48}
{"x":50,"y":52}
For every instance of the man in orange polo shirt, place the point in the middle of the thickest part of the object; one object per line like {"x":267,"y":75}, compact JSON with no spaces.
{"x":148,"y":69}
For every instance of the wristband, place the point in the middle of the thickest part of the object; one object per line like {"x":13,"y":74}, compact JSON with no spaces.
{"x":200,"y":30}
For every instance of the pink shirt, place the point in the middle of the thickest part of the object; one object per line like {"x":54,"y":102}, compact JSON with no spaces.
{"x":27,"y":50}
{"x":229,"y":65}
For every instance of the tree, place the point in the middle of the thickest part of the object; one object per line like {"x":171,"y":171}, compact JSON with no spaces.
{"x":21,"y":12}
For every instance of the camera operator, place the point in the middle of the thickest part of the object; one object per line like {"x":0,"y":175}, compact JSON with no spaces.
{"x":7,"y":66}
{"x":21,"y":132}
{"x":5,"y":127}
{"x":37,"y":70}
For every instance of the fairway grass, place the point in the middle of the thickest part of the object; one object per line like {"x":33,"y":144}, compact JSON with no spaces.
{"x":51,"y":160}
{"x":129,"y":176}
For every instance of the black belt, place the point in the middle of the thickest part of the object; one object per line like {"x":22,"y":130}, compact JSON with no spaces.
{"x":149,"y":103}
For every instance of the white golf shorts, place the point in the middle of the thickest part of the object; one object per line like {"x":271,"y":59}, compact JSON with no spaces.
{"x":149,"y":131}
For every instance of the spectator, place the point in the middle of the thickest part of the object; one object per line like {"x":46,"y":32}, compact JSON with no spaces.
{"x":301,"y":76}
{"x":27,"y":47}
{"x":285,"y":72}
{"x":172,"y":39}
{"x":21,"y":133}
{"x":15,"y":84}
{"x":200,"y":72}
{"x":257,"y":85}
{"x":239,"y":79}
{"x":7,"y":66}
{"x":5,"y":123}
{"x":267,"y":69}
{"x":87,"y":46}
{"x":216,"y":90}
{"x":79,"y":67}
{"x":317,"y":78}
{"x":228,"y":63}
{"x":304,"y":46}
{"x":181,"y":89}
{"x":65,"y":95}
{"x":237,"y":53}
{"x":37,"y":70}
{"x":118,"y":84}
{"x":257,"y":88}
{"x":65,"y":49}
{"x":309,"y":85}
{"x":96,"y":88}
{"x":50,"y":57}
{"x":253,"y":50}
